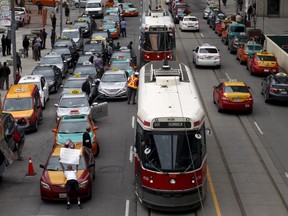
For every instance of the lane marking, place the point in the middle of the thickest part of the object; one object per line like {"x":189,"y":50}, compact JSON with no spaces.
{"x":127,"y":208}
{"x":176,"y":56}
{"x":286,"y":174}
{"x":202,"y":35}
{"x":259,"y":129}
{"x":133,"y":122}
{"x":214,"y":197}
{"x":131,"y":154}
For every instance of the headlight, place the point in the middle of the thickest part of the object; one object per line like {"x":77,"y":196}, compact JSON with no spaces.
{"x":83,"y":184}
{"x":45,"y":185}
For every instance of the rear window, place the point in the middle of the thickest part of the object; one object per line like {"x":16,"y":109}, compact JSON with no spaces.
{"x":208,"y":50}
{"x":254,"y":47}
{"x":265,"y":58}
{"x":237,"y":28}
{"x":230,"y":89}
{"x":281,"y":80}
{"x":93,"y":5}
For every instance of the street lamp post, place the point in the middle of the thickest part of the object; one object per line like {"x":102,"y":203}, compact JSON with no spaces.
{"x":61,"y":17}
{"x":13,"y":37}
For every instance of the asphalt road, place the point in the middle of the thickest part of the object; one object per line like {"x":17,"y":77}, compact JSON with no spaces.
{"x":245,"y":152}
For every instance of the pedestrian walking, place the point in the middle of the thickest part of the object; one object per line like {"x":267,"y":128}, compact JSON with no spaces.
{"x":44,"y":38}
{"x":17,"y":77}
{"x":67,"y":14}
{"x":87,"y":139}
{"x":53,"y":37}
{"x":118,"y":46}
{"x":224,"y":2}
{"x":53,"y":20}
{"x":4,"y":73}
{"x":129,"y":46}
{"x":123,"y":27}
{"x":40,"y":7}
{"x":39,"y":42}
{"x":25,"y":45}
{"x":250,"y":12}
{"x":36,"y":48}
{"x":109,"y":51}
{"x":19,"y":135}
{"x":86,"y":86}
{"x":4,"y":45}
{"x":8,"y":45}
{"x":18,"y":62}
{"x":150,"y":5}
{"x":33,"y":50}
{"x":132,"y":87}
{"x":93,"y":25}
{"x":72,"y":184}
{"x":240,"y":4}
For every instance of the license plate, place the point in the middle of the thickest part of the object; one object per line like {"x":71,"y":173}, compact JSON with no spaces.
{"x":247,"y":105}
{"x":62,"y":195}
{"x":209,"y":57}
{"x":237,"y":100}
{"x":283,"y":92}
{"x":266,"y":70}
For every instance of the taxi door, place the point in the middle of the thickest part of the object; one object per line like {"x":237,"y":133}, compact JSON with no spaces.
{"x":99,"y":107}
{"x":45,"y":89}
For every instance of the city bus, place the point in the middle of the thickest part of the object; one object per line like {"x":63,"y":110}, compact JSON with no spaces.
{"x":170,"y":156}
{"x":157,"y":36}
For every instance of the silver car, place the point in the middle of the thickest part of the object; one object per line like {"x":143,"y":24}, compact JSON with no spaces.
{"x":206,"y":55}
{"x":55,"y":59}
{"x":113,"y":84}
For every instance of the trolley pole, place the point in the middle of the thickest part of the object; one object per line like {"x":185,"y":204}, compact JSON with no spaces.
{"x":13,"y":37}
{"x":61,"y":17}
{"x":219,"y":3}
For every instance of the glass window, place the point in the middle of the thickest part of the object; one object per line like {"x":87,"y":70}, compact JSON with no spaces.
{"x":17,"y":104}
{"x":73,"y":127}
{"x":114,"y":78}
{"x":75,"y":83}
{"x":51,"y":60}
{"x":158,"y":41}
{"x":230,"y":89}
{"x":265,"y":58}
{"x":71,"y":34}
{"x":73,"y":102}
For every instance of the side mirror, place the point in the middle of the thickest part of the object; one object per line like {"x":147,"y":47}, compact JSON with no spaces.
{"x":94,"y":104}
{"x":56,"y":105}
{"x":54,"y":130}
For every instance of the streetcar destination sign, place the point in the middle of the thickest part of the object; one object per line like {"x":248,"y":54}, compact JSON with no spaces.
{"x":172,"y":125}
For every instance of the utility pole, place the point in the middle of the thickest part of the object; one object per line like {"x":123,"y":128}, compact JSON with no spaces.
{"x":61,"y":17}
{"x":13,"y":37}
{"x":219,"y":3}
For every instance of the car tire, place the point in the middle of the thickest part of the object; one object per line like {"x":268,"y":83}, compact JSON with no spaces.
{"x":214,"y":102}
{"x":219,"y":109}
{"x":218,"y":66}
{"x":44,"y":104}
{"x":36,"y":126}
{"x":76,"y":5}
{"x":249,"y":111}
{"x":56,"y":89}
{"x":240,"y":61}
{"x":231,"y":51}
{"x":226,"y":42}
{"x":97,"y":150}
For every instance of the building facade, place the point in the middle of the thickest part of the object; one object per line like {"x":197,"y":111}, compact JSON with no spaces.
{"x":272,"y":8}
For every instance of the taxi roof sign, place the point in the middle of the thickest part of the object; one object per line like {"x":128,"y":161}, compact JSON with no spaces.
{"x":18,"y":90}
{"x":115,"y":69}
{"x":75,"y":91}
{"x":87,"y":63}
{"x":80,"y":19}
{"x":98,"y":38}
{"x":77,"y":75}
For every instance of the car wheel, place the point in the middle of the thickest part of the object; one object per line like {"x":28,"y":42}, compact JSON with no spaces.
{"x":226,"y":42}
{"x":56,"y":88}
{"x":247,"y":67}
{"x":249,"y":111}
{"x":36,"y":126}
{"x":231,"y":51}
{"x":97,"y":150}
{"x":44,"y":104}
{"x":237,"y":57}
{"x":240,"y":61}
{"x":218,"y":66}
{"x":251,"y":71}
{"x":214,"y":99}
{"x":76,"y":5}
{"x":196,"y":65}
{"x":219,"y":109}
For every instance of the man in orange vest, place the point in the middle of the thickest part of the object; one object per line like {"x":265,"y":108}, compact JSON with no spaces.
{"x":132,"y":87}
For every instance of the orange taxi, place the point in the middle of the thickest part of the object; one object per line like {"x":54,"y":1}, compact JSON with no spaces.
{"x":221,"y":26}
{"x":264,"y":63}
{"x":73,"y":126}
{"x":233,"y":96}
{"x":246,"y":49}
{"x":129,"y":10}
{"x":52,"y":3}
{"x":224,"y":33}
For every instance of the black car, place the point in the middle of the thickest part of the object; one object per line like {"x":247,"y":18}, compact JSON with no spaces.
{"x":211,"y":13}
{"x":84,"y":27}
{"x":275,"y":87}
{"x":178,"y":15}
{"x":68,"y":55}
{"x":236,"y":41}
{"x":86,"y":69}
{"x":52,"y":74}
{"x":8,"y":122}
{"x":94,"y":46}
{"x":62,"y":42}
{"x":84,"y":58}
{"x":216,"y":18}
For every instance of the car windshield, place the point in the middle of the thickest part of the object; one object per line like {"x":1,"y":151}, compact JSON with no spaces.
{"x":111,"y":19}
{"x":71,"y":34}
{"x":83,"y":59}
{"x":255,"y":47}
{"x":237,"y":29}
{"x":93,"y":5}
{"x":242,"y":38}
{"x":158,"y":40}
{"x":93,"y":47}
{"x":190,"y":19}
{"x":86,"y":70}
{"x":73,"y":102}
{"x":69,"y":127}
{"x":230,"y":89}
{"x":17,"y":104}
{"x":51,"y":60}
{"x":81,"y":24}
{"x":99,"y":34}
{"x":108,"y":25}
{"x":54,"y":164}
{"x":47,"y":73}
{"x":63,"y":43}
{"x":121,"y":65}
{"x":114,"y":78}
{"x":74,"y":83}
{"x":172,"y":151}
{"x":61,"y":50}
{"x":208,"y":50}
{"x":281,"y":80}
{"x":122,"y":55}
{"x":265,"y":58}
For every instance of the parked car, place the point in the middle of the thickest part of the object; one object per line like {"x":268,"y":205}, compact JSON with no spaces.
{"x":55,"y":59}
{"x":246,"y":49}
{"x":189,"y":23}
{"x":236,"y":41}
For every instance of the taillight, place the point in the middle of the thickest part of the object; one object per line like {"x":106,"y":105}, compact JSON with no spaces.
{"x":249,"y":99}
{"x":272,"y":90}
{"x":217,"y":57}
{"x":235,"y":43}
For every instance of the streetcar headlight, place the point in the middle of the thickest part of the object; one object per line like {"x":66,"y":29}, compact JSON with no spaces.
{"x":172,"y":181}
{"x":151,"y":181}
{"x":193,"y":181}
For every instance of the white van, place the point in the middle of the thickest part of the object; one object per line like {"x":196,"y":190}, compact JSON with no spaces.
{"x":95,"y":8}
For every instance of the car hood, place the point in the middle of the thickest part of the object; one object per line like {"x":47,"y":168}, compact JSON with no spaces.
{"x":58,"y":178}
{"x":20,"y":114}
{"x":112,"y":85}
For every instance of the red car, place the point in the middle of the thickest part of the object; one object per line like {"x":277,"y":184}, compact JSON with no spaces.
{"x":233,"y":95}
{"x":221,"y":26}
{"x":262,"y":63}
{"x":52,"y":183}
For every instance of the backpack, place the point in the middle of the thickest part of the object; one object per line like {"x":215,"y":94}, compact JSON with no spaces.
{"x":16,"y":135}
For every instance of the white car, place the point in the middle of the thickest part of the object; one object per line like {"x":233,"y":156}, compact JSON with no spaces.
{"x":206,"y":55}
{"x":40,"y":81}
{"x":55,"y":59}
{"x":189,"y":23}
{"x":74,"y":34}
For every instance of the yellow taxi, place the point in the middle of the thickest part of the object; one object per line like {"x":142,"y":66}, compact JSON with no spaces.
{"x":52,"y":183}
{"x":264,"y":63}
{"x":234,"y":96}
{"x":24,"y":101}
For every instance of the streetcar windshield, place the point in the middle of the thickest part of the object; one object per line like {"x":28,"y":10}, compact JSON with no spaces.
{"x":158,"y":41}
{"x":179,"y":151}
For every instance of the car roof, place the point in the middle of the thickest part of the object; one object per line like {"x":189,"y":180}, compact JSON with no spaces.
{"x":71,"y":28}
{"x":29,"y":78}
{"x":189,"y":16}
{"x":20,"y":90}
{"x":80,"y":95}
{"x":52,"y":54}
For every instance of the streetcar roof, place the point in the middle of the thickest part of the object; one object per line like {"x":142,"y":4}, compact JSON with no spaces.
{"x":157,"y":19}
{"x":169,"y":93}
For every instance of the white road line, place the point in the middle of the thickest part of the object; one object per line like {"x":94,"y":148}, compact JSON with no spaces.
{"x":259,"y":129}
{"x":286,"y":174}
{"x":202,"y":35}
{"x":131,"y":154}
{"x":127,"y":208}
{"x":133,"y":122}
{"x":227,"y":76}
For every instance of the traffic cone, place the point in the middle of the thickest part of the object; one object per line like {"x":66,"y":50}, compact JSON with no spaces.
{"x":30,"y":168}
